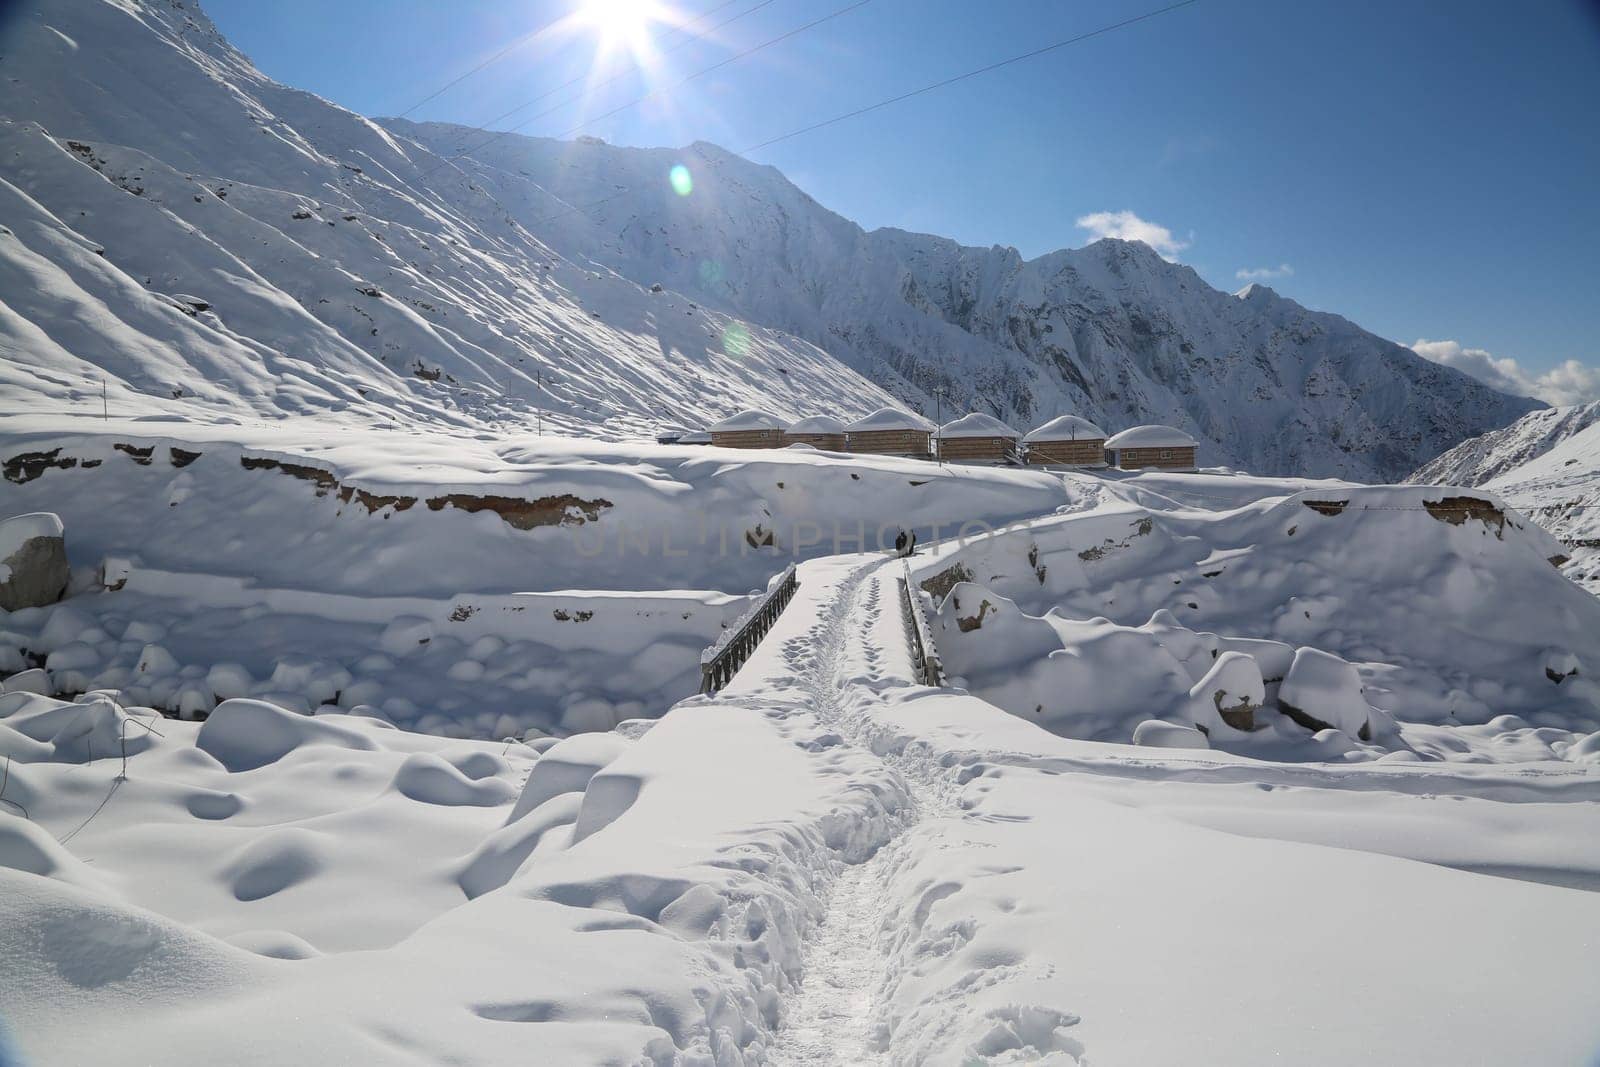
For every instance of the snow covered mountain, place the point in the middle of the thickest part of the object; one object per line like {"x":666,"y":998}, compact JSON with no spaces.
{"x":1111,"y":331}
{"x":228,"y":243}
{"x":224,"y":243}
{"x":1547,"y":465}
{"x":1489,"y":456}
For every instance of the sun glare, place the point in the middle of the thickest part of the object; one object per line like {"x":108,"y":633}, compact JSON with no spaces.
{"x":623,"y":23}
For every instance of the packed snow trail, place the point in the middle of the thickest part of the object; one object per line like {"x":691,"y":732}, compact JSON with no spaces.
{"x":835,"y":1016}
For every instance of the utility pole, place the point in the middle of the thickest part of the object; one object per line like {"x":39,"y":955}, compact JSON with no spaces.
{"x":938,"y":399}
{"x":538,"y":391}
{"x":105,"y":407}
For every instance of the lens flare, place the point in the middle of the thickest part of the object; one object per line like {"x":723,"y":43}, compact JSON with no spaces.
{"x":682,"y":181}
{"x":736,"y":340}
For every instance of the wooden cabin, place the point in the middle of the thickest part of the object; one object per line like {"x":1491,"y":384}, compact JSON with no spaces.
{"x":818,"y":431}
{"x":978,"y":438}
{"x":1066,"y":441}
{"x":1162,"y":447}
{"x":749,"y":429}
{"x":891,"y":432}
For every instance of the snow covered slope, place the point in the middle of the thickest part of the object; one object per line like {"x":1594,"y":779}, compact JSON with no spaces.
{"x":230,"y":243}
{"x":1111,"y":331}
{"x":1547,"y":464}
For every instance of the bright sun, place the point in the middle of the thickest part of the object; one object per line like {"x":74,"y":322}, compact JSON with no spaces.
{"x":622,"y":22}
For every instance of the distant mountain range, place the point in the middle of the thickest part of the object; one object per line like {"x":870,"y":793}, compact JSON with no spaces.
{"x":206,"y":239}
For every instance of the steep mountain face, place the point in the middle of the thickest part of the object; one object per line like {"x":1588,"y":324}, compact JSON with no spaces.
{"x":1112,"y":331}
{"x":198,"y":237}
{"x":203,"y":240}
{"x":1487,"y":457}
{"x":1546,"y":465}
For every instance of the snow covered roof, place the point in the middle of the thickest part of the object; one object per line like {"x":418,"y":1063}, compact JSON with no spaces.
{"x":1066,"y":428}
{"x":890,"y":419}
{"x":695,"y":437}
{"x":977,"y":424}
{"x":817,"y":424}
{"x":1151,"y":436}
{"x":749,"y":420}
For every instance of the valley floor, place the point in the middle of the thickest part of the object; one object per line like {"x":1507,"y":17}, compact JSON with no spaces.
{"x":824,"y":863}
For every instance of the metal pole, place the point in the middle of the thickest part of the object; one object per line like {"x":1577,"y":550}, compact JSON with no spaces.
{"x":105,"y":408}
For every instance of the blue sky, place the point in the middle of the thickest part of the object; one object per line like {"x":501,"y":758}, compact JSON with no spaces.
{"x":1429,"y":170}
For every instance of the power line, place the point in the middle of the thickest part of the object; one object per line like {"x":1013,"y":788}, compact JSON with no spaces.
{"x":970,"y":74}
{"x":507,"y":50}
{"x":569,"y":84}
{"x":863,"y":110}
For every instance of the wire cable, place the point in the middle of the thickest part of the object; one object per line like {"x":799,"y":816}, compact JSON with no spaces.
{"x":507,"y":50}
{"x":969,"y":74}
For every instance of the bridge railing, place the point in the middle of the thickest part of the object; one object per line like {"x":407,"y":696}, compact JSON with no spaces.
{"x":720,"y":662}
{"x":924,"y":653}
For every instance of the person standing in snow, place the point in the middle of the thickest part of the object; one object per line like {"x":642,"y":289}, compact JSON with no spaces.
{"x":900,"y":543}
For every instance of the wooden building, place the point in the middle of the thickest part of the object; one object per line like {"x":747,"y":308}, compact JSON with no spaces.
{"x":891,"y":432}
{"x":818,"y":431}
{"x":749,"y":429}
{"x":1066,"y":441}
{"x":1163,"y":447}
{"x":978,"y":438}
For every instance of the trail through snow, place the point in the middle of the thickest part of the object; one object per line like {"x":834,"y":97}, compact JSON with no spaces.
{"x":833,"y":1019}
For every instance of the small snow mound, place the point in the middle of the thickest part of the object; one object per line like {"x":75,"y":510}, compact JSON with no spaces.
{"x":245,"y":734}
{"x":405,"y":634}
{"x":567,"y":767}
{"x":75,"y":733}
{"x":269,"y":865}
{"x":1229,"y":695}
{"x":28,"y":847}
{"x":274,"y":944}
{"x":1157,"y":733}
{"x":35,"y":681}
{"x":1323,"y":691}
{"x":1560,"y":664}
{"x":428,"y":779}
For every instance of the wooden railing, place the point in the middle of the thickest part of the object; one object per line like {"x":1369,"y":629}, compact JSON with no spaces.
{"x":924,"y":653}
{"x":720,"y":662}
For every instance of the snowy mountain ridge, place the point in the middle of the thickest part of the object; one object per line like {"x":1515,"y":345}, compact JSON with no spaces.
{"x":1111,"y":331}
{"x":1547,"y":465}
{"x":233,"y":246}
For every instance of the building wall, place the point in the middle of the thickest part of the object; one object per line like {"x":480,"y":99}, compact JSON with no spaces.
{"x":1164,"y":458}
{"x":1084,"y":452}
{"x":893,"y":442}
{"x":828,"y":442}
{"x":747,"y":438}
{"x":976,"y":449}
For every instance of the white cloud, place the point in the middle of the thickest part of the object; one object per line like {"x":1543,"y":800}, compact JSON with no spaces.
{"x":1565,"y":383}
{"x":1130,"y":227}
{"x":1264,"y":274}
